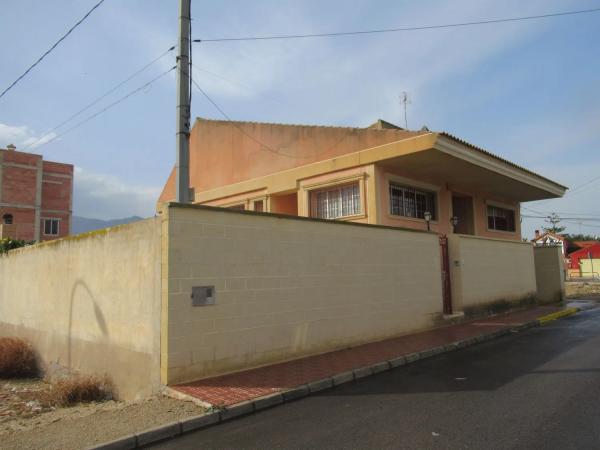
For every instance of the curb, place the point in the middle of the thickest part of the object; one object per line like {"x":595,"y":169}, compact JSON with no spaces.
{"x":195,"y":423}
{"x":557,"y":315}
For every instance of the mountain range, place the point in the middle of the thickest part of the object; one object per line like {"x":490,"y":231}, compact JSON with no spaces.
{"x":83,"y":224}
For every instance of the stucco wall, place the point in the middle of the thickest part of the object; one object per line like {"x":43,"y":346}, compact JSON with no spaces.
{"x":549,"y":274}
{"x":590,"y":267}
{"x":287,"y":287}
{"x":484,"y":271}
{"x":444,"y":193}
{"x":90,"y":302}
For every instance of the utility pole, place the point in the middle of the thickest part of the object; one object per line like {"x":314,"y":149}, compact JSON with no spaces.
{"x":182,"y":164}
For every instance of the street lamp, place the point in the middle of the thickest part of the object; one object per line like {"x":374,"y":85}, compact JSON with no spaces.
{"x":454,"y":222}
{"x":427,"y":217}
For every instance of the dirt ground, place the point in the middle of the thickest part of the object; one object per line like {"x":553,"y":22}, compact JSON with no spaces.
{"x":578,"y":289}
{"x":27,"y":423}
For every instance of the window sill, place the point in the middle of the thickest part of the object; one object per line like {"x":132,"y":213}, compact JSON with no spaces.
{"x":412,"y":219}
{"x":344,"y":218}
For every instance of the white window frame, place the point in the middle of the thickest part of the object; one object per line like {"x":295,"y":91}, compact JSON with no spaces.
{"x":415,"y":184}
{"x":337,"y":187}
{"x":51,"y":219}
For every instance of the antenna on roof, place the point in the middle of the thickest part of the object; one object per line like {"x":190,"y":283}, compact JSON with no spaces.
{"x":405,"y":101}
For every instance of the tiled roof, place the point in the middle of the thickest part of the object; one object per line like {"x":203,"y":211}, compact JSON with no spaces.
{"x":505,"y":161}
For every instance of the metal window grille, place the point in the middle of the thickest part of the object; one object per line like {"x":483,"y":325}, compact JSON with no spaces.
{"x":410,"y":202}
{"x":337,"y":202}
{"x":500,"y":219}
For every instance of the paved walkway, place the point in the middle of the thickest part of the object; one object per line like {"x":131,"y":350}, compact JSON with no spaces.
{"x":241,"y":386}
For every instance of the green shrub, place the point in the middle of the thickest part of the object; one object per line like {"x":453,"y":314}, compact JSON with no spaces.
{"x":17,"y":359}
{"x":7,"y":244}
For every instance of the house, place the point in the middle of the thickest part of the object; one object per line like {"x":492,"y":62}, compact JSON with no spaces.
{"x":381,"y":174}
{"x":554,"y":239}
{"x":35,"y":196}
{"x":585,"y":262}
{"x":253,"y":273}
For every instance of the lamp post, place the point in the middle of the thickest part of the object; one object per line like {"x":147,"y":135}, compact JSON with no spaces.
{"x":427,"y":217}
{"x":454,"y":222}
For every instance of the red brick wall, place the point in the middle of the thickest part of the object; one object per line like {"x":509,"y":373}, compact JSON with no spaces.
{"x":23,"y":219}
{"x":19,"y":186}
{"x":56,"y":192}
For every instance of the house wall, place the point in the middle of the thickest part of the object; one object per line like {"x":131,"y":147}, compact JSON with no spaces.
{"x":91,"y":303}
{"x":32,"y":189}
{"x":549,"y":274}
{"x":486,"y":271}
{"x":223,"y":153}
{"x":288,"y":287}
{"x":444,"y":192}
{"x":590,"y":268}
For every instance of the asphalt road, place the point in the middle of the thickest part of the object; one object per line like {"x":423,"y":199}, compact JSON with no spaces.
{"x":538,"y":389}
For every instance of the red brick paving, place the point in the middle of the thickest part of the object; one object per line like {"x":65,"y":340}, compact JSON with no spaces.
{"x":237,"y":387}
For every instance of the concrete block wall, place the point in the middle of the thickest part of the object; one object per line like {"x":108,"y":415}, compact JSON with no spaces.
{"x":549,"y":274}
{"x":484,"y":271}
{"x":288,"y":287}
{"x":90,"y":303}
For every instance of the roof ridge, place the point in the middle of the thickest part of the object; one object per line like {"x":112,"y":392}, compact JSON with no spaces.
{"x":198,"y":118}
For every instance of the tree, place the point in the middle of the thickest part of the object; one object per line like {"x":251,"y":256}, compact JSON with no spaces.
{"x":554,"y":220}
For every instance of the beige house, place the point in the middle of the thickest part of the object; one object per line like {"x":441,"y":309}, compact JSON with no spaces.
{"x":380,"y":175}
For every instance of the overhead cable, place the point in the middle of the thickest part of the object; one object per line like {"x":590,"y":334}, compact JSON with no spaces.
{"x":396,"y":30}
{"x":50,"y":49}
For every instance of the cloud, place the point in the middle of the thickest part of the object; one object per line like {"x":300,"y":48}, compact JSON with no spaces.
{"x":101,"y":196}
{"x":22,"y":137}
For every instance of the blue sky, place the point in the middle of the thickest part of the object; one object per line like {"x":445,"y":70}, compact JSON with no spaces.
{"x":528,"y":91}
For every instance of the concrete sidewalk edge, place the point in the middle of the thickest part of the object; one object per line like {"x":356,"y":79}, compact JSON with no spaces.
{"x":218,"y":414}
{"x":557,"y":315}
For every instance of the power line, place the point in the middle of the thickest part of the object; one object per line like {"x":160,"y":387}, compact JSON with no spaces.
{"x":113,"y":104}
{"x":590,"y":219}
{"x":579,"y":188}
{"x":263,"y":146}
{"x":103,"y":96}
{"x":395,"y":30}
{"x":560,"y":212}
{"x":51,"y":48}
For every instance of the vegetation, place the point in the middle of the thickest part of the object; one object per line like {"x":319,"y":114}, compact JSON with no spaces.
{"x":80,"y":389}
{"x":581,"y":237}
{"x":554,"y":221}
{"x":7,"y":244}
{"x":17,"y":359}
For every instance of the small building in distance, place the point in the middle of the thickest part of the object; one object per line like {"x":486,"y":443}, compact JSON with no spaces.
{"x":36,"y":196}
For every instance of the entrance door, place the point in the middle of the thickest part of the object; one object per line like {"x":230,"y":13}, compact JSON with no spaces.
{"x":462,"y":208}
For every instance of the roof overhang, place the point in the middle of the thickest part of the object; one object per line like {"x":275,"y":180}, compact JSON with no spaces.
{"x":431,"y":156}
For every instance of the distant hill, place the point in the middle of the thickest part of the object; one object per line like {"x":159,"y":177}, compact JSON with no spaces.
{"x":83,"y":224}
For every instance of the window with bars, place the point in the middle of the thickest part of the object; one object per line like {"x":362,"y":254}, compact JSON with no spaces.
{"x":411,"y":202}
{"x":336,"y":202}
{"x":500,"y":219}
{"x":51,"y":227}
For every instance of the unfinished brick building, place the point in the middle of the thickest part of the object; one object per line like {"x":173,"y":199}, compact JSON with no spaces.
{"x":36,"y":196}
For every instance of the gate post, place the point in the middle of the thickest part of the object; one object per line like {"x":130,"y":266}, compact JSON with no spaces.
{"x":446,"y":286}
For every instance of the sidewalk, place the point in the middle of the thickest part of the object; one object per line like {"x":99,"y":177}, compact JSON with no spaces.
{"x":239,"y":387}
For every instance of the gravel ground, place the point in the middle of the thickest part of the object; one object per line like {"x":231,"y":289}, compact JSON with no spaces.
{"x":26,"y":424}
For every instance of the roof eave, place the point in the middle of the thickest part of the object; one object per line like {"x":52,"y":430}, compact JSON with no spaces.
{"x":461,"y":149}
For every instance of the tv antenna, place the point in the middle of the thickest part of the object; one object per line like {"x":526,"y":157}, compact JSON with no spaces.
{"x":405,"y":101}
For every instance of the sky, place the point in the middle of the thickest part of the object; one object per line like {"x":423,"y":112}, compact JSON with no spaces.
{"x":527,"y":91}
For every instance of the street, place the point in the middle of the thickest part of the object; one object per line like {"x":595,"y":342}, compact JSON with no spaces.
{"x":539,"y":389}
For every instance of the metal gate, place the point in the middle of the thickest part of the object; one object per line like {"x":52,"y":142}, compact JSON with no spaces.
{"x":446,"y":287}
